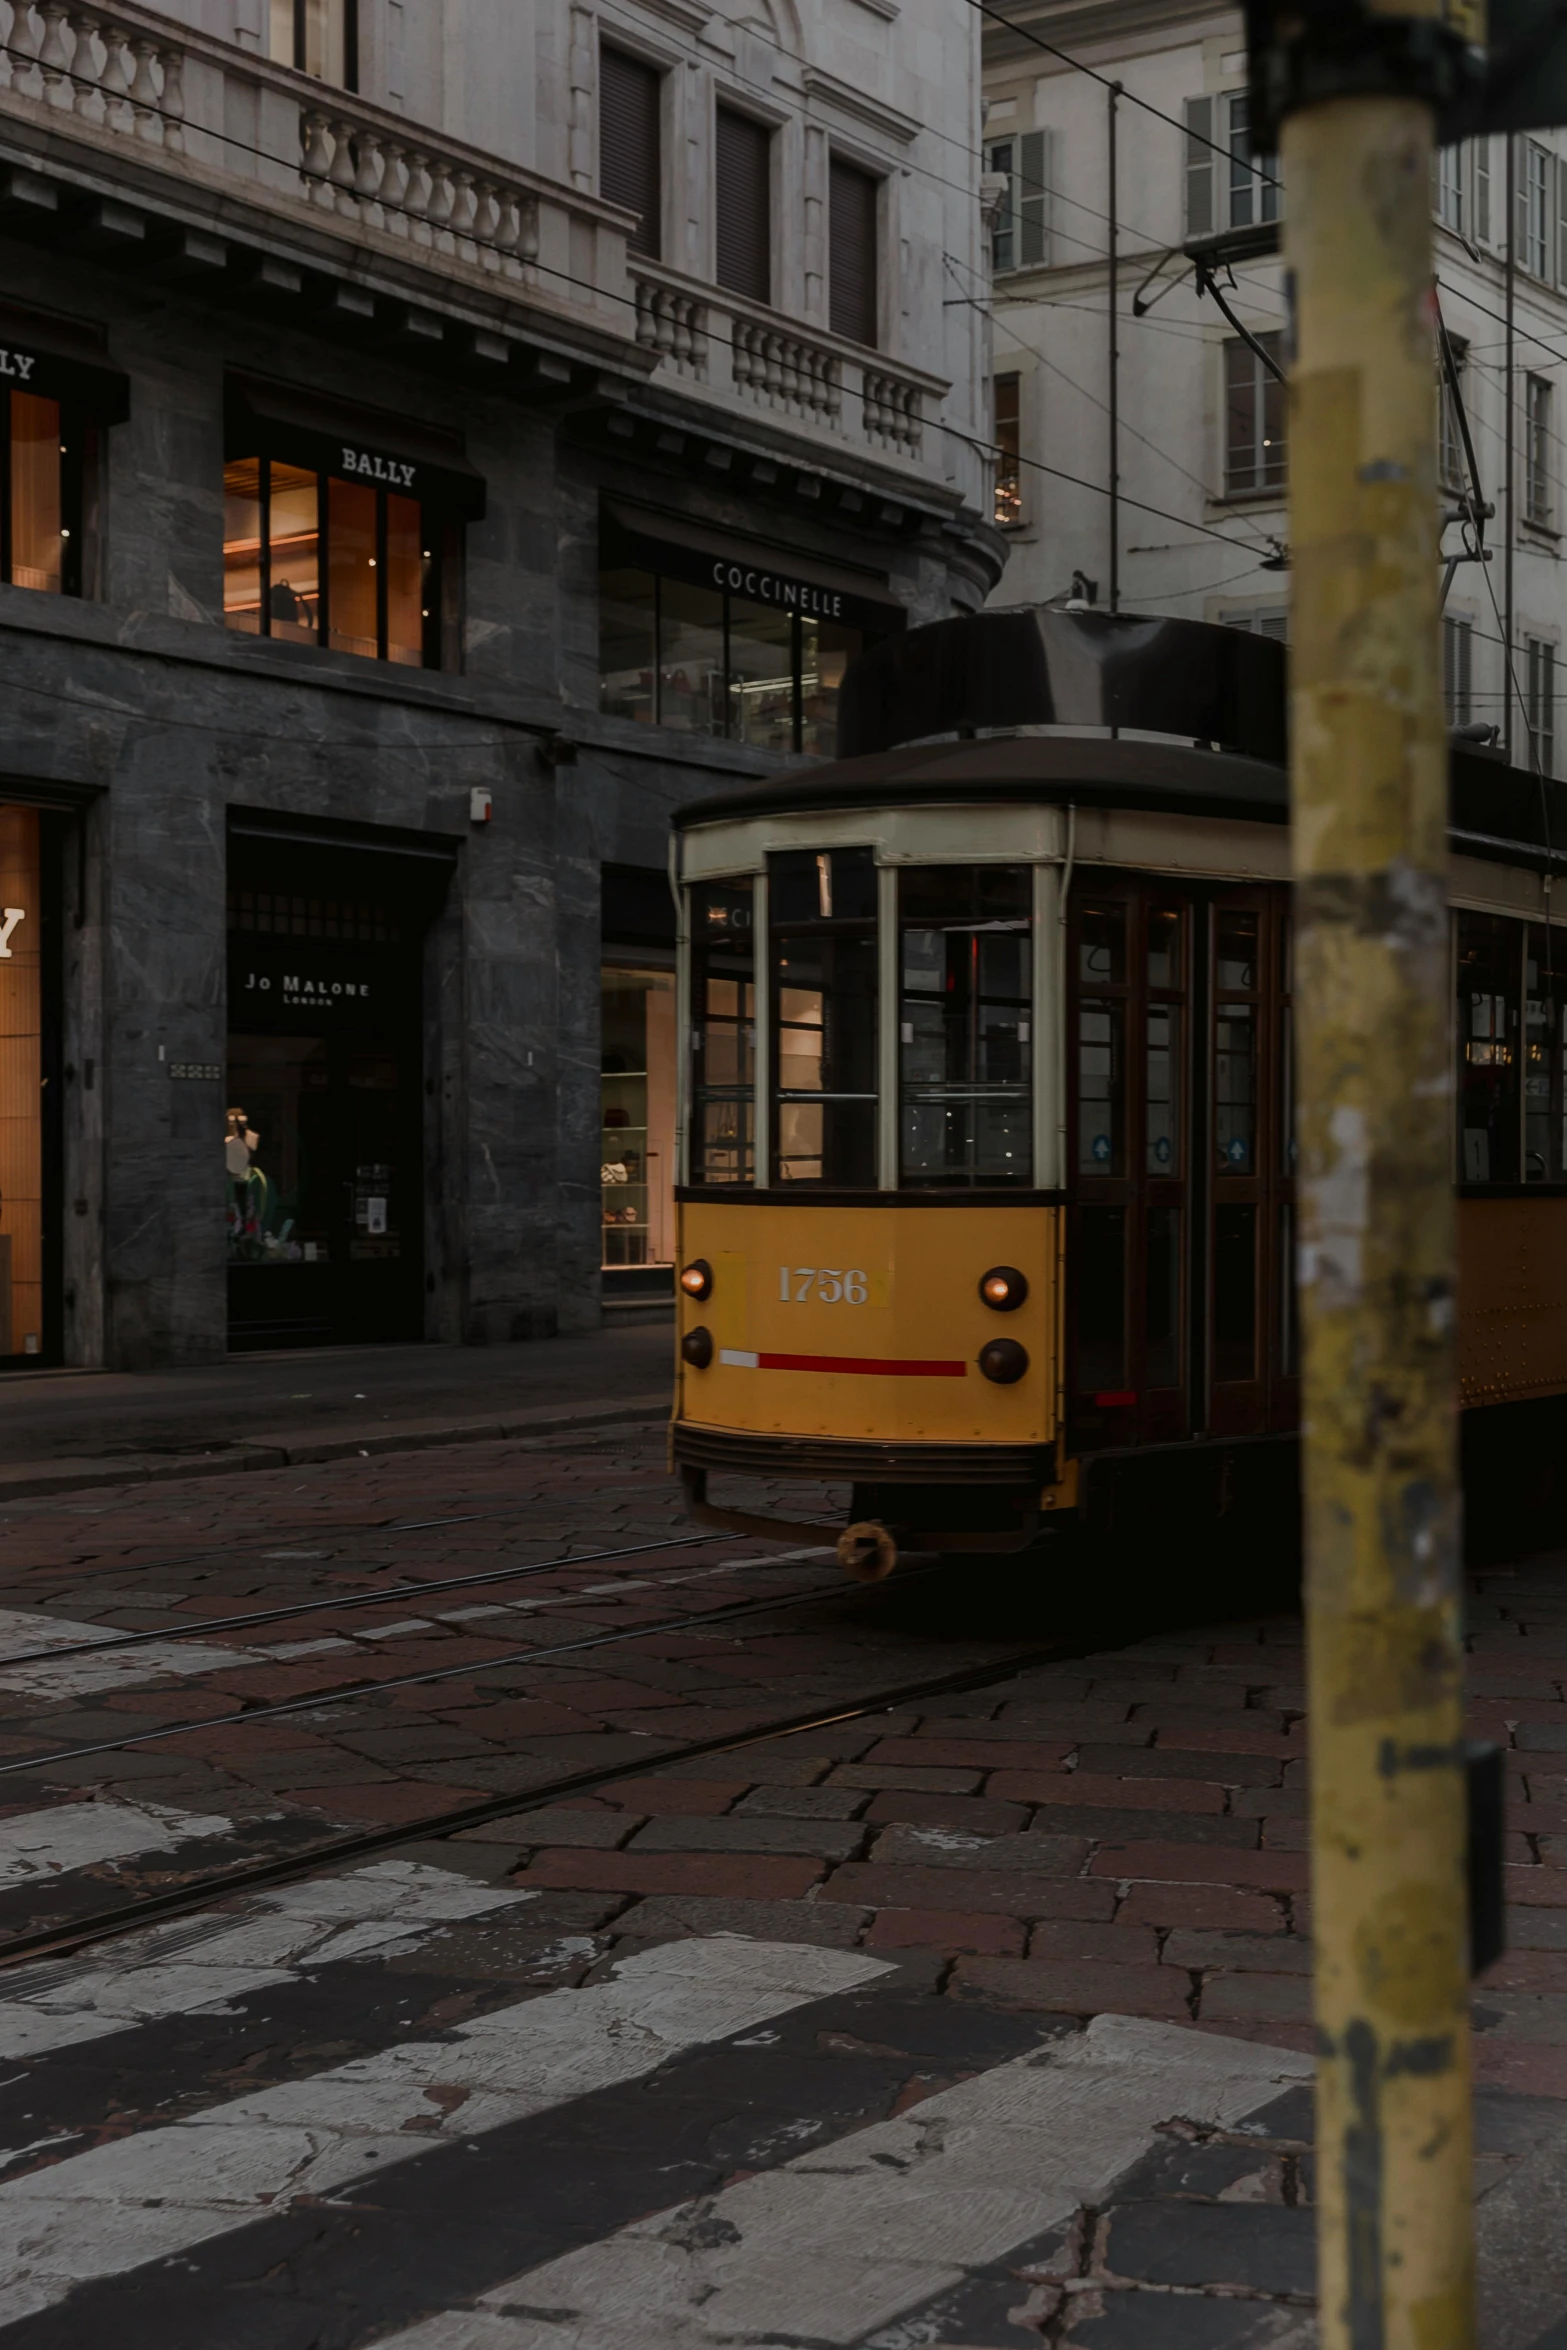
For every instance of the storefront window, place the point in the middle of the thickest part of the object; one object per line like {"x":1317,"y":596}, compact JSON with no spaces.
{"x":314,"y":559}
{"x":726,"y":649}
{"x":21,"y":1085}
{"x":638,"y":1141}
{"x":42,"y":478}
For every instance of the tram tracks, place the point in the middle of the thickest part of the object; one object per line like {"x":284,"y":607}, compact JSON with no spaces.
{"x":363,"y":1844}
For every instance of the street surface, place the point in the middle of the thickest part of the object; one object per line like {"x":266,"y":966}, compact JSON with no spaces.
{"x":974,"y":2013}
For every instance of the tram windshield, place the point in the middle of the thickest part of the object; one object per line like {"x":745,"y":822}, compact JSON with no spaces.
{"x":895,"y":1059}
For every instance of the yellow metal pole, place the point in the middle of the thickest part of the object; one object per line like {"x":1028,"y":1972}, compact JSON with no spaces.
{"x":1377,"y":1236}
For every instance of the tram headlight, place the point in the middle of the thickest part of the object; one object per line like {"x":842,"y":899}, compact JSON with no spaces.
{"x":697,"y":1279}
{"x":697,"y":1348}
{"x":1004,"y":1361}
{"x":1003,"y":1288}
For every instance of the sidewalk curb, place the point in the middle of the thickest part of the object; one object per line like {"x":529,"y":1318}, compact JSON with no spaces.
{"x":33,"y":1480}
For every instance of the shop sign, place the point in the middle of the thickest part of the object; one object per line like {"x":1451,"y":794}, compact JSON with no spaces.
{"x":293,"y":987}
{"x":768,"y":587}
{"x":366,"y":466}
{"x":10,"y":916}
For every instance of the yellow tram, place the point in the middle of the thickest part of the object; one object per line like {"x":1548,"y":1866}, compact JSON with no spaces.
{"x":986,"y":1203}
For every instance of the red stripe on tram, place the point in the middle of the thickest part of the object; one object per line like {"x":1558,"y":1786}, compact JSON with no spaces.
{"x":870,"y":1366}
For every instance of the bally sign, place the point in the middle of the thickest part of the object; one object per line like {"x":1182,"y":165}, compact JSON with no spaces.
{"x":18,"y":365}
{"x":390,"y":470}
{"x":10,"y":916}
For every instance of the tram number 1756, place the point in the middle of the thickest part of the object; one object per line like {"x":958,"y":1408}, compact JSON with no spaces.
{"x":828,"y":1285}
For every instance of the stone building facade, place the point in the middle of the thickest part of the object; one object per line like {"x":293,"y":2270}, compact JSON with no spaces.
{"x":440,"y":439}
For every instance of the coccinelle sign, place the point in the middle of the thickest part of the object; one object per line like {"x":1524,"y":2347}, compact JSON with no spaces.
{"x":790,"y":595}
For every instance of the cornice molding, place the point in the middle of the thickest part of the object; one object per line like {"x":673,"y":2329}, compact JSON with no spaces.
{"x":825,"y":90}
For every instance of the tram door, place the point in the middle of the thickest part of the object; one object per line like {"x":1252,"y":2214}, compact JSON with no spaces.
{"x":1180,"y":1232}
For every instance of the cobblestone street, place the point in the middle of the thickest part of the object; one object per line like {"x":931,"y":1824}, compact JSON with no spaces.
{"x":990,"y":1981}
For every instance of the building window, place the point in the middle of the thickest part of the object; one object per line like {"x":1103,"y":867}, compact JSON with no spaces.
{"x":316,"y":560}
{"x":743,"y":212}
{"x":1457,"y":669}
{"x":1452,"y":465}
{"x":319,"y":37}
{"x":1253,"y":419}
{"x":1007,"y":390}
{"x":637,"y":1170}
{"x":1259,"y":623}
{"x":1489,"y":971}
{"x":756,"y":662}
{"x":1021,"y":238}
{"x":40,"y":495}
{"x":1540,"y":703}
{"x":1461,"y":192}
{"x":630,"y":162}
{"x":1537,"y":451}
{"x":1227,"y":186}
{"x":855,"y":200}
{"x":1535,"y":224}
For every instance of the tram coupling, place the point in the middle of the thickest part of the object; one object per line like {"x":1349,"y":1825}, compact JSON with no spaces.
{"x":867,"y":1551}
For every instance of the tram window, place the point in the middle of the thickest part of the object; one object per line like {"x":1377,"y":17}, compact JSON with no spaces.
{"x":1545,"y":1058}
{"x":1164,"y":1026}
{"x":1101,"y":1301}
{"x":1235,"y":1044}
{"x":1234,"y":1292}
{"x":824,"y":1017}
{"x":1166,"y":963}
{"x":1101,"y":1031}
{"x":723,"y":1016}
{"x":1490,"y":949}
{"x":964,"y":1025}
{"x":1162,"y":1306}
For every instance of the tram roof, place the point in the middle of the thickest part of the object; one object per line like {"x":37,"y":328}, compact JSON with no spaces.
{"x":994,"y":679}
{"x":1494,"y":810}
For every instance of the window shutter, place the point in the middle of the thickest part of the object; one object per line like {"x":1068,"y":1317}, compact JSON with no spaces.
{"x":1032,"y":197}
{"x":852,"y":207}
{"x":1200,"y":160}
{"x":1482,"y":191}
{"x":743,"y":182}
{"x":629,"y":174}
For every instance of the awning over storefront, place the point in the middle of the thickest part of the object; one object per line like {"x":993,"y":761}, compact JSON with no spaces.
{"x":266,"y":419}
{"x":62,"y":359}
{"x":752,"y":569}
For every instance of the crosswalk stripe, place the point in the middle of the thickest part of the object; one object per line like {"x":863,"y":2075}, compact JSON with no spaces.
{"x":166,"y":2190}
{"x":843,"y":2240}
{"x":67,"y":1836}
{"x":79,"y":1676}
{"x":184,"y":1969}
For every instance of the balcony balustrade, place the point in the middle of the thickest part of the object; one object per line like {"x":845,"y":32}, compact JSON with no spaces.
{"x":217,"y":120}
{"x":742,"y":352}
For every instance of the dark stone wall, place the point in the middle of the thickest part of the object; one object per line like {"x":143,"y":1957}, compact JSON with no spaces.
{"x":142,"y":697}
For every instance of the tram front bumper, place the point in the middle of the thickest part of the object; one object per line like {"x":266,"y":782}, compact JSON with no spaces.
{"x":942,"y":1496}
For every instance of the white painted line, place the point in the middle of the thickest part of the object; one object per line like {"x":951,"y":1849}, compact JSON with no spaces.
{"x":842,"y":2240}
{"x":185,"y":1969}
{"x":158,"y":2194}
{"x":76,"y":1676}
{"x":735,"y":1359}
{"x":84,"y":1835}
